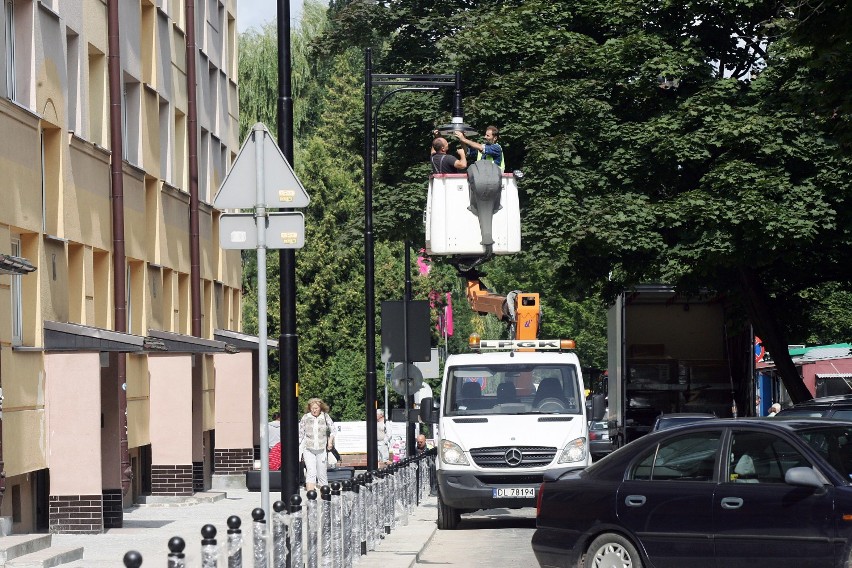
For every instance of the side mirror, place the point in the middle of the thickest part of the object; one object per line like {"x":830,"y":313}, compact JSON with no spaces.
{"x":428,"y":411}
{"x":595,"y":407}
{"x":804,"y":477}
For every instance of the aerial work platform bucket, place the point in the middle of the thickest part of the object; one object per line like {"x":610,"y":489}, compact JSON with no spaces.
{"x":452,"y":226}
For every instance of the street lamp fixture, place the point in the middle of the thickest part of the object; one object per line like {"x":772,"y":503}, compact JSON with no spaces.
{"x":402,"y":83}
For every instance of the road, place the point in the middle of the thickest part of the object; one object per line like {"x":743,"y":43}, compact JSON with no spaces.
{"x":489,"y":539}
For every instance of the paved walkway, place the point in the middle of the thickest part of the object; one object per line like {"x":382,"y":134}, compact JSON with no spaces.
{"x":148,"y":528}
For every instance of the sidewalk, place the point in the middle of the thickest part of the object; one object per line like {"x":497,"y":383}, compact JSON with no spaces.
{"x":148,"y":528}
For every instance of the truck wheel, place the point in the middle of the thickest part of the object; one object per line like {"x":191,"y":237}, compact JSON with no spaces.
{"x":448,"y":518}
{"x":612,"y":550}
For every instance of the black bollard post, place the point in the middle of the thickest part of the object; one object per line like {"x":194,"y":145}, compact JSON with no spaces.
{"x":312,"y":527}
{"x":235,"y":542}
{"x":296,"y":518}
{"x":132,"y":559}
{"x":209,"y":549}
{"x":176,"y":555}
{"x":280,"y":536}
{"x":325,"y":526}
{"x":259,"y":538}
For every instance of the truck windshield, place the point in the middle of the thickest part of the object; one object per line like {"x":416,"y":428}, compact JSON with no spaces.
{"x":512,"y":389}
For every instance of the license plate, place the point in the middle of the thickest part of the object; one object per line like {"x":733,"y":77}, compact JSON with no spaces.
{"x":522,"y":492}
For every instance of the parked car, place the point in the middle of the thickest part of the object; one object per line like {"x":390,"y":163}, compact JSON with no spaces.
{"x":733,"y":493}
{"x":673,"y":419}
{"x":599,"y":441}
{"x":839,"y":407}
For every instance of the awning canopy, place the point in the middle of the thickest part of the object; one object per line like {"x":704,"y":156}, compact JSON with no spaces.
{"x":180,"y":343}
{"x":242,"y":341}
{"x":60,"y":336}
{"x":15,"y":265}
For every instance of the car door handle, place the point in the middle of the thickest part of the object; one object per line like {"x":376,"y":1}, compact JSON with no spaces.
{"x":732,"y":502}
{"x":634,"y":500}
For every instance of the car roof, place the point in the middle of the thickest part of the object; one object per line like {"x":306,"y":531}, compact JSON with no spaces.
{"x":836,"y":400}
{"x":687,"y":415}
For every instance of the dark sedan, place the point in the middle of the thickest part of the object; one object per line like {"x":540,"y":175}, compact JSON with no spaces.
{"x":711,"y":494}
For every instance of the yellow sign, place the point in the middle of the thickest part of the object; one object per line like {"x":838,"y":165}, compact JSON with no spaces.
{"x":289,"y":238}
{"x":286,"y":195}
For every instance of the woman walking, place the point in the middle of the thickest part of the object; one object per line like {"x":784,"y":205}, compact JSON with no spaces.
{"x":316,"y":438}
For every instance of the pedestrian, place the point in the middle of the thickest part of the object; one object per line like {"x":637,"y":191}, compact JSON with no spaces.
{"x":382,"y":436}
{"x":274,"y":440}
{"x":421,"y":447}
{"x":274,"y":429}
{"x":316,"y":438}
{"x":774,"y":409}
{"x":490,"y":150}
{"x":443,"y":163}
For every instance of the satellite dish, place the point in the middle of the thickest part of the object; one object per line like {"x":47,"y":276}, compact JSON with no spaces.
{"x":415,"y":379}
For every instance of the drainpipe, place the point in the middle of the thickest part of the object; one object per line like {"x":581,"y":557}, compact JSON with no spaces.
{"x":119,"y":283}
{"x":192,"y":136}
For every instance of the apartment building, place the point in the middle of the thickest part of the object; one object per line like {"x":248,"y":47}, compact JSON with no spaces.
{"x":123,"y":369}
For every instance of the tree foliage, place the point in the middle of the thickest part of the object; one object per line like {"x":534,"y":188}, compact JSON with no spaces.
{"x":695,"y":142}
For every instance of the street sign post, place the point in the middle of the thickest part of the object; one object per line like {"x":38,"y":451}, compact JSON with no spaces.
{"x":261,"y":178}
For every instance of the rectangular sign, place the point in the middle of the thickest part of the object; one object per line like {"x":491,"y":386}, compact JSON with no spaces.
{"x":540,"y":344}
{"x":283,"y":230}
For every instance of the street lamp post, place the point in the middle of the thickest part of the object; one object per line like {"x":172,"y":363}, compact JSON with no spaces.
{"x":403,"y":83}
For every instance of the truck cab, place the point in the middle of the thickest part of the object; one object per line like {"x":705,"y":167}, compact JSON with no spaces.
{"x":505,"y":418}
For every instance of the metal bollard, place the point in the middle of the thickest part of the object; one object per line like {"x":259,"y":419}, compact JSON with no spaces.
{"x":387,"y":501}
{"x":280,"y":536}
{"x":298,"y":542}
{"x":312,"y":528}
{"x":393,"y":490}
{"x":325,"y":530}
{"x":260,"y":536}
{"x":235,"y":542}
{"x":406,"y":501}
{"x":346,"y":518}
{"x":367,"y":520}
{"x":355,"y":542}
{"x":132,"y":559}
{"x":336,"y":527}
{"x":176,"y":555}
{"x":209,"y":548}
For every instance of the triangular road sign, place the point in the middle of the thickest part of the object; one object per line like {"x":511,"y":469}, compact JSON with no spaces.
{"x":281,"y":187}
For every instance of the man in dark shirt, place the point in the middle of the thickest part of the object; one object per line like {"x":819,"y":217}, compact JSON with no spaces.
{"x":443,"y":163}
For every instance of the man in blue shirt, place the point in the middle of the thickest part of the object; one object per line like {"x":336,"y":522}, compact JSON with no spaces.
{"x":490,"y":150}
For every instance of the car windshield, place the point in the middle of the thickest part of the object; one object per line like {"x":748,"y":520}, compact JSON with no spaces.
{"x":804,"y":412}
{"x":513,"y":389}
{"x":834,"y":443}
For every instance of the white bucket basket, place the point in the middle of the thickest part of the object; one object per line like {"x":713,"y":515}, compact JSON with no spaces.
{"x":452,"y":229}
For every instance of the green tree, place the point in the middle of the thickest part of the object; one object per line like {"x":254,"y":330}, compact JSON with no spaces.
{"x":673,"y":141}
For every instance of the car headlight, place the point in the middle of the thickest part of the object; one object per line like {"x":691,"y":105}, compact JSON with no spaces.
{"x":452,"y":453}
{"x":574,"y":451}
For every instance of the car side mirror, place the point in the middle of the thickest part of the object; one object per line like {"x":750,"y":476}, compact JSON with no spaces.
{"x":428,"y":411}
{"x":804,"y":477}
{"x":595,"y":407}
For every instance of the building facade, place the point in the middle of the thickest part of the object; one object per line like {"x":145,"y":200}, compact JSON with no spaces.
{"x":119,"y":352}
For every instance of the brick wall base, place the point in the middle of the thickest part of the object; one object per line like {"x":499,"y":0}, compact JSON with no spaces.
{"x":171,"y":480}
{"x":76,"y":514}
{"x":233,"y":461}
{"x":113,"y":509}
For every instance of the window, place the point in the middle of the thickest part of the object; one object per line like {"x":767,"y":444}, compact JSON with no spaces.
{"x":691,"y":457}
{"x":97,"y":97}
{"x":513,"y":389}
{"x":17,"y":299}
{"x":10,"y":49}
{"x":758,"y":457}
{"x":131,"y":113}
{"x":73,"y":65}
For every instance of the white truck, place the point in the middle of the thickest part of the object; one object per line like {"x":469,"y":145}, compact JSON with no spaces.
{"x":508,"y":413}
